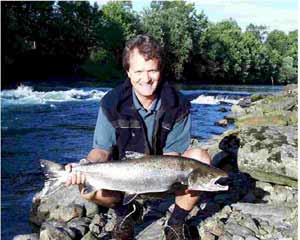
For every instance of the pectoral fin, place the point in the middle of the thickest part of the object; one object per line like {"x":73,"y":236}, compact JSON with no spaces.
{"x":129,"y":198}
{"x":87,"y":189}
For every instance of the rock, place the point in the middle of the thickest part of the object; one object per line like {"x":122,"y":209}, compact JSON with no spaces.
{"x":222,"y":110}
{"x":235,"y":237}
{"x":80,"y":226}
{"x":62,"y":205}
{"x":207,"y":236}
{"x":32,"y":236}
{"x":257,"y":97}
{"x":236,"y":229}
{"x":66,"y":213}
{"x":291,"y":89}
{"x":55,"y":230}
{"x":265,"y":211}
{"x":269,"y":153}
{"x":222,"y":123}
{"x":278,"y":109}
{"x":251,"y":238}
{"x":90,"y":236}
{"x":97,"y":224}
{"x":245,"y":102}
{"x":153,"y":231}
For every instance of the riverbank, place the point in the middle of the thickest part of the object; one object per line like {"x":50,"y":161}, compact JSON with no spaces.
{"x":257,"y":206}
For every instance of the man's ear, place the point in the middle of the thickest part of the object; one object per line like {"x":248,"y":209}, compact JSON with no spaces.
{"x":128,"y":74}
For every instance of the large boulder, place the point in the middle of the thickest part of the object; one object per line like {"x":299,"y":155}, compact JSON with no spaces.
{"x":63,"y":205}
{"x":269,"y":153}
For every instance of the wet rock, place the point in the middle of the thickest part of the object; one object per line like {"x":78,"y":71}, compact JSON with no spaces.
{"x":32,"y":236}
{"x":222,"y":123}
{"x":222,"y":110}
{"x":245,"y":102}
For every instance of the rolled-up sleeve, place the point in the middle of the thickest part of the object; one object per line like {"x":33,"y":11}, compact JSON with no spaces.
{"x":178,"y":140}
{"x":105,"y":134}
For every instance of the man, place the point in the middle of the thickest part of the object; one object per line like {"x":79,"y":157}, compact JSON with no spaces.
{"x":146,"y":115}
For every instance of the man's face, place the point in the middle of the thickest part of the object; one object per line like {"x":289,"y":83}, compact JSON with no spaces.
{"x":144,"y":75}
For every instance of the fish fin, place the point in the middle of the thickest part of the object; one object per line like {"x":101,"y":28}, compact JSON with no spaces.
{"x":88,"y":189}
{"x":133,"y":155}
{"x":54,"y":174}
{"x":129,"y":198}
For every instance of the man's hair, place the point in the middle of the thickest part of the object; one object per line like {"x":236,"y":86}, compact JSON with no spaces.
{"x":147,"y":46}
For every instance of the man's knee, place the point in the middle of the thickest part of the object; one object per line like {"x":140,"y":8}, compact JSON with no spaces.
{"x":107,"y":198}
{"x":198,"y":154}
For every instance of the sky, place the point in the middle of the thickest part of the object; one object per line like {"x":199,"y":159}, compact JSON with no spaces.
{"x":275,"y":14}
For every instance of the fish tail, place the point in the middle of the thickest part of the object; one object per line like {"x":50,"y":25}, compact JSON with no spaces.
{"x":55,"y":177}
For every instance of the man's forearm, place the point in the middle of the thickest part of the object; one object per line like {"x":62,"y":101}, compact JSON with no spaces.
{"x":172,"y":153}
{"x":98,"y":155}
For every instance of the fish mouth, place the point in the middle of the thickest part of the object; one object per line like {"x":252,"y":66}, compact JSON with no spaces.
{"x":213,"y":186}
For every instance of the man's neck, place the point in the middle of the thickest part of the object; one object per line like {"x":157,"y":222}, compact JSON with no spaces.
{"x":146,"y":102}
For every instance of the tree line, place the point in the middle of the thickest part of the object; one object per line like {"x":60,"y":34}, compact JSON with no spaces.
{"x":65,"y":38}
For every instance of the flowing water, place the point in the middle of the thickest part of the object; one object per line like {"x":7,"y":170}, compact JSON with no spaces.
{"x":57,"y":123}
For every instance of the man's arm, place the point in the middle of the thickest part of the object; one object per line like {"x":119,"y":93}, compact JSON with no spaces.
{"x":98,"y":155}
{"x":172,"y":153}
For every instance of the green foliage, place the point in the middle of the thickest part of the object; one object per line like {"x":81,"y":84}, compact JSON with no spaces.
{"x":44,"y":36}
{"x":278,"y":40}
{"x":288,"y":73}
{"x":258,"y":31}
{"x":178,"y":27}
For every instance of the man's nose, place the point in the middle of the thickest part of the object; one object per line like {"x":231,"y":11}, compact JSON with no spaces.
{"x":146,"y":77}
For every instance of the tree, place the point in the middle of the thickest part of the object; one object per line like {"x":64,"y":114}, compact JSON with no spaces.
{"x":177,"y":26}
{"x":220,"y":50}
{"x":259,"y":31}
{"x":278,"y":40}
{"x":287,"y":74}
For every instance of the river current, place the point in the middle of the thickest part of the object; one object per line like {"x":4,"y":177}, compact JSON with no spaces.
{"x":57,"y":123}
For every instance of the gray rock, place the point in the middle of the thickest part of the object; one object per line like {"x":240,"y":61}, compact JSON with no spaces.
{"x":281,"y":212}
{"x":251,"y":238}
{"x":238,"y":230}
{"x":32,"y":236}
{"x":66,"y":213}
{"x":269,"y":153}
{"x":90,"y":236}
{"x":54,"y":231}
{"x":153,"y":231}
{"x":236,"y":237}
{"x":62,"y":205}
{"x":80,"y":226}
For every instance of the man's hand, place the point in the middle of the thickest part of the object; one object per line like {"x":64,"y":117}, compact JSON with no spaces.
{"x":76,"y":178}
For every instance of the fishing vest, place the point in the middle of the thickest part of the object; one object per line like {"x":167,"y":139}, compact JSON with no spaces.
{"x":130,"y":128}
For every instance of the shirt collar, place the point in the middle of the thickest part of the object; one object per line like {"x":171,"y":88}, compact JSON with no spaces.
{"x":154,"y":106}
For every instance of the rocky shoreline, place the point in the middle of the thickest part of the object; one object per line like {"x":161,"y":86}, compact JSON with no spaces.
{"x":262,"y":202}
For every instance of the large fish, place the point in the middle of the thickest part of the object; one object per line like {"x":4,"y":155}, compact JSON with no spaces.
{"x":147,"y":174}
